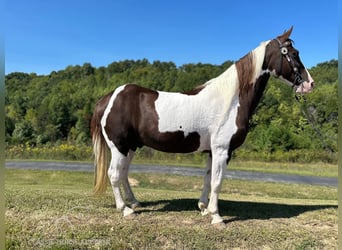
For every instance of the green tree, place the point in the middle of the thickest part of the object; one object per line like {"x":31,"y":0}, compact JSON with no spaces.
{"x":57,"y":107}
{"x":23,"y":133}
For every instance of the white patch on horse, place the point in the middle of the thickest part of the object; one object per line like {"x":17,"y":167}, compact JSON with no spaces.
{"x":259,"y":57}
{"x":203,"y":113}
{"x":229,"y":127}
{"x":106,"y":113}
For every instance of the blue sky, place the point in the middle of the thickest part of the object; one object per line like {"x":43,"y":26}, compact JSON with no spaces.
{"x":42,"y":36}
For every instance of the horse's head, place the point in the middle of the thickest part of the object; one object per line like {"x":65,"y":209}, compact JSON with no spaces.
{"x":283,"y":61}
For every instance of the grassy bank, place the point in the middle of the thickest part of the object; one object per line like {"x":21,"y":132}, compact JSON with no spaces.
{"x":56,"y":210}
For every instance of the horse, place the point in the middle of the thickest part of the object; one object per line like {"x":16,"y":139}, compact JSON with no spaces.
{"x":212,"y":118}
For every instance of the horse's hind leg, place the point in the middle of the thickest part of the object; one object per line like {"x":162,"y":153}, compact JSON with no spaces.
{"x":126,"y":186}
{"x":115,"y":172}
{"x":203,"y":201}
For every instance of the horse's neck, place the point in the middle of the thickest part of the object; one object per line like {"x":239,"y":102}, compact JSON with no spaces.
{"x":246,"y":78}
{"x":250,"y":97}
{"x":252,"y":80}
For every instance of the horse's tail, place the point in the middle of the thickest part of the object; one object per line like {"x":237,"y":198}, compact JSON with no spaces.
{"x":100,"y":150}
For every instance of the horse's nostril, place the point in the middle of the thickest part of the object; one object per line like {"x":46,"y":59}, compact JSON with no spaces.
{"x":312,"y":84}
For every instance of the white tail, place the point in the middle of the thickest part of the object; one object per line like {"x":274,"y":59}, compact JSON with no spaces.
{"x":101,"y":156}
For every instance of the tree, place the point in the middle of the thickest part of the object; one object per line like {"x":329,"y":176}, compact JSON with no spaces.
{"x":23,"y":133}
{"x":58,"y":106}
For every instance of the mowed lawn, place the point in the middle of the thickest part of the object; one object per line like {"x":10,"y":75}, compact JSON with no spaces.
{"x":56,"y":210}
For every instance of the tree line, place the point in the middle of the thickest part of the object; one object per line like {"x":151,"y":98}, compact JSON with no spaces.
{"x":55,"y":108}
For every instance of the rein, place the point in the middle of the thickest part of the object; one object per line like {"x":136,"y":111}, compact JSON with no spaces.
{"x":303,"y":105}
{"x":300,"y":98}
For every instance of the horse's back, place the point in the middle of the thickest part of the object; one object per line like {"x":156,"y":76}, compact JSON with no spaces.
{"x":130,"y":120}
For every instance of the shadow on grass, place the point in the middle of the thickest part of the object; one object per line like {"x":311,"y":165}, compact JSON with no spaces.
{"x":239,"y":210}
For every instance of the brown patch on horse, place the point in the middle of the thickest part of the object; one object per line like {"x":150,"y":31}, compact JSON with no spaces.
{"x":248,"y":100}
{"x":245,"y":69}
{"x":133,"y":122}
{"x":251,"y":91}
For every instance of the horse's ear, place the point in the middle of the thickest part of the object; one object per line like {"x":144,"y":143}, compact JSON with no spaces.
{"x":282,"y":38}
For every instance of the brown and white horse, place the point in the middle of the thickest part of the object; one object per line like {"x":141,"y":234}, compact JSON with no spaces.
{"x":212,"y":118}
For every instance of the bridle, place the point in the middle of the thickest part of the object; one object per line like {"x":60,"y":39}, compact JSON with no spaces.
{"x":298,"y":81}
{"x":300,"y":98}
{"x":284,"y":52}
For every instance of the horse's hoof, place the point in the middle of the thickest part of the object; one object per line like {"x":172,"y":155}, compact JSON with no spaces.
{"x":202,"y":205}
{"x":204,"y":212}
{"x":127,"y":211}
{"x":216,"y":219}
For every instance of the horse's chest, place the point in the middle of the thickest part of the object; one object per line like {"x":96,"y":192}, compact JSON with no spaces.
{"x":227,"y":126}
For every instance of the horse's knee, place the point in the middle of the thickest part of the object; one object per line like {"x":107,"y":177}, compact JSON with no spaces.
{"x":114,"y":177}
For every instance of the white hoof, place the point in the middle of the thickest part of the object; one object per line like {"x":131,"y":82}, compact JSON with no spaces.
{"x":204,"y":212}
{"x":127,"y":211}
{"x":216,"y":218}
{"x":203,"y":207}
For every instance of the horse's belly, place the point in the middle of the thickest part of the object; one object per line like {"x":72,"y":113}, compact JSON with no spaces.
{"x":178,"y":141}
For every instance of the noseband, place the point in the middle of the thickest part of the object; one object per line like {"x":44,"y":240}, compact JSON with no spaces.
{"x":284,"y":52}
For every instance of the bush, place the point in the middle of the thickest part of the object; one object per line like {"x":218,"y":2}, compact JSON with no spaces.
{"x":23,"y":132}
{"x":55,"y":152}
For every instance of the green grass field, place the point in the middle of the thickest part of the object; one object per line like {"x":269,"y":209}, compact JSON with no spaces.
{"x":56,"y":210}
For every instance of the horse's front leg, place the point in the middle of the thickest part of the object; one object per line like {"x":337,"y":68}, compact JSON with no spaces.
{"x":203,"y":201}
{"x":219,"y":162}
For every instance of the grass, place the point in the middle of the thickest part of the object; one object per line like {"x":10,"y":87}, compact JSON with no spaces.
{"x":56,"y":210}
{"x":312,"y":169}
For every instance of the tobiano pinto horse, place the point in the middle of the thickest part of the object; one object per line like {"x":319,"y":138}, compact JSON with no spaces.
{"x":212,"y":118}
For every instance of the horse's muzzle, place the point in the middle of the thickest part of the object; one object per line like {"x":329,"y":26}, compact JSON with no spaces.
{"x":305,"y":87}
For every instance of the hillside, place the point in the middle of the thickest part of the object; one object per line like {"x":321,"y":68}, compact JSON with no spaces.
{"x":55,"y":108}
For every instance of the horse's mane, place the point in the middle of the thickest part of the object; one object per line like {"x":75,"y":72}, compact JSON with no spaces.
{"x":246,"y":69}
{"x":194,"y":91}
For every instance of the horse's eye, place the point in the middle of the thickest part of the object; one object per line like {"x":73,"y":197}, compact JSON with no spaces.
{"x":295,"y":54}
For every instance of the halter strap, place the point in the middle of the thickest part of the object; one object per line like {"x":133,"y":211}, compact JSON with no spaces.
{"x":284,"y":52}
